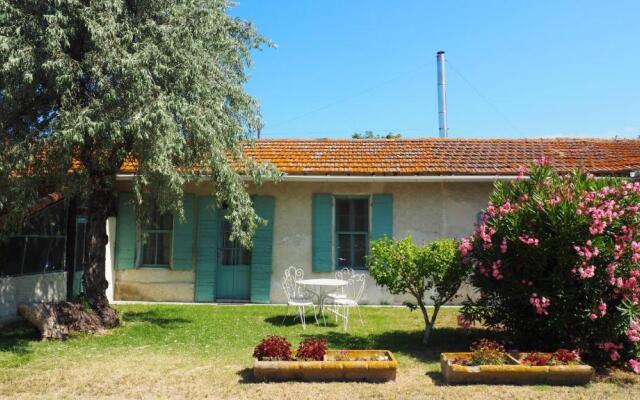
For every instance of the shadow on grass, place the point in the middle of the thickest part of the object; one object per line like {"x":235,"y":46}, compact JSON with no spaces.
{"x":409,"y":343}
{"x":290,"y":320}
{"x":153,"y":317}
{"x":245,"y":376}
{"x":16,"y":336}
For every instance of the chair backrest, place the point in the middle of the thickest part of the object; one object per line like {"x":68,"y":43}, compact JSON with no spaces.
{"x":291,"y":288}
{"x":355,"y":287}
{"x":344,"y":274}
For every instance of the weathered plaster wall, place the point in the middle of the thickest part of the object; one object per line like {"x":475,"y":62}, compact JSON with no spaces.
{"x":30,"y":289}
{"x":154,"y":284}
{"x":426,"y":211}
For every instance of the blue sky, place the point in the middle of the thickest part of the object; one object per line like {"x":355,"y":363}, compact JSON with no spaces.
{"x":515,"y":68}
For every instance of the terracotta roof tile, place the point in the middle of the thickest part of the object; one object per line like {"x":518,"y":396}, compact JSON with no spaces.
{"x":436,"y":156}
{"x":444,"y":156}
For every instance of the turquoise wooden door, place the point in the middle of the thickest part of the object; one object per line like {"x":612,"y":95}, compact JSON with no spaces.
{"x":234,"y":269}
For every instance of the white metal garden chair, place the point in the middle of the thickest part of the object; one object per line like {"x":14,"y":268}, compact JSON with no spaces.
{"x":343,"y":274}
{"x":296,"y":295}
{"x":354,"y":291}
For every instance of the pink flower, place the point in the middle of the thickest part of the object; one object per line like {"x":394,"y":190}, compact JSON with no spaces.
{"x":593,"y":317}
{"x":529,"y":240}
{"x":614,"y":355}
{"x":540,"y":304}
{"x":633,"y":333}
{"x":586,"y":272}
{"x":503,"y":246}
{"x":542,"y":161}
{"x":505,"y":208}
{"x":635,"y":365}
{"x":602,"y":307}
{"x":521,"y":171}
{"x":465,"y":247}
{"x":497,"y":270}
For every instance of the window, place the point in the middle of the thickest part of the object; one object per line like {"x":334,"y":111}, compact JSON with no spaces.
{"x":156,"y":241}
{"x":232,"y":253}
{"x":352,"y":231}
{"x":40,"y":246}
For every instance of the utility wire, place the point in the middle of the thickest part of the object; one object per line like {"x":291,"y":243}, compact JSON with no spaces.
{"x":483,"y":97}
{"x":350,"y":97}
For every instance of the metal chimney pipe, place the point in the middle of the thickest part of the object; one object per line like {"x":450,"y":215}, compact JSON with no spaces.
{"x":442,"y":97}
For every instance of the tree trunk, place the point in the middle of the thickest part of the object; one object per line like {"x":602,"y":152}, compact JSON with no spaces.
{"x":45,"y":318}
{"x":95,"y":283}
{"x":427,"y":322}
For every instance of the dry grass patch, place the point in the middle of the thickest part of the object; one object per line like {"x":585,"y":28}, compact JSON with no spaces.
{"x":205,"y":352}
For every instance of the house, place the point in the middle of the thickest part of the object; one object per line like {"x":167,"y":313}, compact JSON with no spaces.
{"x":336,"y":196}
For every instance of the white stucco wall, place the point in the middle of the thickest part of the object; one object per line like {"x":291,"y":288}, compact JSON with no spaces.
{"x":30,"y":289}
{"x":426,"y":211}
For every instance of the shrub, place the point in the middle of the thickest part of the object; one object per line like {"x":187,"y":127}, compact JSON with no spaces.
{"x":560,"y":357}
{"x":556,"y":260}
{"x":312,"y":350}
{"x":273,"y":348}
{"x":403,"y":267}
{"x":484,"y":352}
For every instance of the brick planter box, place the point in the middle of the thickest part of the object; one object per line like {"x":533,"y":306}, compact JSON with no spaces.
{"x":513,"y":373}
{"x":325,"y":371}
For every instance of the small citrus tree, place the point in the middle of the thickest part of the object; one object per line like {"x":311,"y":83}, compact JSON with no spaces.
{"x":434,"y":271}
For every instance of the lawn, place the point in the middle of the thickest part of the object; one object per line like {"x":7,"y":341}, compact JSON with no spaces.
{"x":197,"y":351}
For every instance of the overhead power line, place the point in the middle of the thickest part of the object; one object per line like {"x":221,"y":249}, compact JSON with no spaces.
{"x":484,"y":98}
{"x":349,"y":97}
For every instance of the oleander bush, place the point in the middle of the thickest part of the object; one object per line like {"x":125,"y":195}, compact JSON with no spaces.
{"x":556,"y":259}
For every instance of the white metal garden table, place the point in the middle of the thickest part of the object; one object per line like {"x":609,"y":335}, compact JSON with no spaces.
{"x":320,"y":288}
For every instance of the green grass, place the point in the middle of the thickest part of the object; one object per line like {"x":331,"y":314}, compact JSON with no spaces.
{"x":230,"y":333}
{"x":198,"y":351}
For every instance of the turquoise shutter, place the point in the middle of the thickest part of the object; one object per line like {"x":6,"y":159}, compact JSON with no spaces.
{"x":382,"y":216}
{"x":262,"y":250}
{"x":183,"y":237}
{"x":322,"y":233}
{"x":206,"y":259}
{"x":125,"y":232}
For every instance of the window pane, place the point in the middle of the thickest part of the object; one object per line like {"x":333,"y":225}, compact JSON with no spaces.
{"x":55,"y":257}
{"x":165,"y":221}
{"x":35,"y":255}
{"x":149,"y":249}
{"x":342,"y":215}
{"x":11,"y":256}
{"x":361,"y":215}
{"x":344,"y":250}
{"x":226,"y":255}
{"x":232,"y":253}
{"x":359,"y":250}
{"x":246,"y":257}
{"x":164,"y":252}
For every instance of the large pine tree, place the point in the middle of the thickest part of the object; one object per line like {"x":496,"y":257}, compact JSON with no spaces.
{"x":86,"y":84}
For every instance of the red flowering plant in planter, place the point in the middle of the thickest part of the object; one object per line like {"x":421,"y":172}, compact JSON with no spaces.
{"x":312,"y":350}
{"x":556,"y":259}
{"x":273,"y":348}
{"x":560,"y":357}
